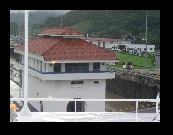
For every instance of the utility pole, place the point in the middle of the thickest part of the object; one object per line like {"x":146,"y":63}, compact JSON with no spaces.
{"x":146,"y":43}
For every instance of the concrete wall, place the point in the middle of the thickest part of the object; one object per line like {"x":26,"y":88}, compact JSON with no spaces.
{"x":140,"y":88}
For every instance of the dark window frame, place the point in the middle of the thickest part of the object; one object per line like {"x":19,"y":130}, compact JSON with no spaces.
{"x":96,"y":66}
{"x":77,"y":82}
{"x":103,"y":44}
{"x":96,"y":82}
{"x":76,"y":67}
{"x":57,"y":67}
{"x":98,"y":43}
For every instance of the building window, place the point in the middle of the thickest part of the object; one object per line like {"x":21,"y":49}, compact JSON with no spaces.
{"x":41,"y":66}
{"x":130,"y":48}
{"x":34,"y":64}
{"x":144,"y":48}
{"x":96,"y":82}
{"x":96,"y":66}
{"x":77,"y":82}
{"x":57,"y":67}
{"x":76,"y":67}
{"x":98,"y":43}
{"x":103,"y":44}
{"x":20,"y":76}
{"x":151,"y":48}
{"x":44,"y":66}
{"x":111,"y":42}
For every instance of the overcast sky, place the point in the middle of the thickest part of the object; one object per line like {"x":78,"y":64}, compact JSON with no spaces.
{"x":55,"y":11}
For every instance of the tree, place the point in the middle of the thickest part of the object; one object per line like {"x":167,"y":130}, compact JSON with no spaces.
{"x":13,"y":28}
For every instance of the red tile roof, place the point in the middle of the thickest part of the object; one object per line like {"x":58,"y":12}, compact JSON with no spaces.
{"x":67,"y":49}
{"x":60,"y":31}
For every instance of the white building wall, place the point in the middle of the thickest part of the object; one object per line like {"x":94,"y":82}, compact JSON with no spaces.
{"x":107,"y":44}
{"x":22,"y":83}
{"x":94,"y":42}
{"x":122,"y":42}
{"x":35,"y":63}
{"x":38,"y":65}
{"x":49,"y":67}
{"x":62,"y":67}
{"x":64,"y":89}
{"x":101,"y":43}
{"x":102,"y":66}
{"x":22,"y":58}
{"x":43,"y":66}
{"x":142,"y":46}
{"x":91,"y":66}
{"x":31,"y":62}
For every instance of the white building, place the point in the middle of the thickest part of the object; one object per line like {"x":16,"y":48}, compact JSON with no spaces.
{"x":103,"y":42}
{"x":62,"y":65}
{"x":133,"y":48}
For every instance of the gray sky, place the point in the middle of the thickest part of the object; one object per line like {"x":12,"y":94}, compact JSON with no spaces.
{"x":55,"y":11}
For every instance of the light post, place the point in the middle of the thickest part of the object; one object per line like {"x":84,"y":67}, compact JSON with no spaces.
{"x":25,"y":110}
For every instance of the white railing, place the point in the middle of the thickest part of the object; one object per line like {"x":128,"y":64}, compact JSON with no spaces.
{"x":157,"y":100}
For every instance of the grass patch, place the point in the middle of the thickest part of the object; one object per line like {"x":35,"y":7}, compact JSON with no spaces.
{"x":137,"y":62}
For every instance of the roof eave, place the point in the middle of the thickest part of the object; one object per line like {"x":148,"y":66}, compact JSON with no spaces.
{"x":78,"y":61}
{"x":53,"y":35}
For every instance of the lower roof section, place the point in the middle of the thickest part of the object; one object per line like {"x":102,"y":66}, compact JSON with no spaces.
{"x":68,"y":49}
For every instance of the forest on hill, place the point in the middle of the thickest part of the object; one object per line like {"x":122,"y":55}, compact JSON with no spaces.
{"x":17,"y":20}
{"x":107,"y":23}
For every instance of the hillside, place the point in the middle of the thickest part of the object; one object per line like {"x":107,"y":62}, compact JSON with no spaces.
{"x":34,"y":19}
{"x":108,"y":23}
{"x":113,"y":23}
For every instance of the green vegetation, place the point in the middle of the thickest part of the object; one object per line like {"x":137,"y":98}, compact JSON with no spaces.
{"x":101,"y":23}
{"x":36,"y":20}
{"x":137,"y":62}
{"x":113,"y":24}
{"x":82,"y":26}
{"x":14,"y":29}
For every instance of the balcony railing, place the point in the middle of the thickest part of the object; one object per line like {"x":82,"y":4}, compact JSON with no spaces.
{"x":136,"y":118}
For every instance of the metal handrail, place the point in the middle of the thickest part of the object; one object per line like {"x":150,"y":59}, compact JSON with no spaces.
{"x":157,"y":100}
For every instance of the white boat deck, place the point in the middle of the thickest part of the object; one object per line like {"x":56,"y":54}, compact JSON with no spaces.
{"x":89,"y":117}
